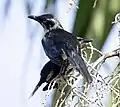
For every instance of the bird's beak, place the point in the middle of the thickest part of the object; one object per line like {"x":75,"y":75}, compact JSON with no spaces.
{"x":33,"y":17}
{"x":37,"y":18}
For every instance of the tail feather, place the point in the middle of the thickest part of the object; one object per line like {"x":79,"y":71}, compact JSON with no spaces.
{"x":84,"y":70}
{"x":81,"y":66}
{"x":36,"y":88}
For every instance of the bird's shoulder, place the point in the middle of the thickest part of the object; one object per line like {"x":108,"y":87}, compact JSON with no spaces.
{"x":59,"y":32}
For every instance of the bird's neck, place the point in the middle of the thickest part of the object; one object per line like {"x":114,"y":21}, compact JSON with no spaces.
{"x":56,"y":26}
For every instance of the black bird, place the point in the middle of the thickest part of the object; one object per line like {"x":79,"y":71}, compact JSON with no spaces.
{"x":48,"y":73}
{"x":51,"y":70}
{"x":61,"y":46}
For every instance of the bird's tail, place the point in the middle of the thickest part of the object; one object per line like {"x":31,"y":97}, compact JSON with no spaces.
{"x":36,"y":88}
{"x":81,"y":66}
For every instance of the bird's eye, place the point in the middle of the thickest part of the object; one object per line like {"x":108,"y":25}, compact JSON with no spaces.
{"x":51,"y":23}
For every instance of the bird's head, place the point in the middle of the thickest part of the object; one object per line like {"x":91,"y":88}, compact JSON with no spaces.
{"x":47,"y":21}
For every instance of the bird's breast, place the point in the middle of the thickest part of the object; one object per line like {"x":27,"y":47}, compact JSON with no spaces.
{"x":49,"y":47}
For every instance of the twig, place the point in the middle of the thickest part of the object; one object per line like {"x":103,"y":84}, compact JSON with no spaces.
{"x":102,"y":59}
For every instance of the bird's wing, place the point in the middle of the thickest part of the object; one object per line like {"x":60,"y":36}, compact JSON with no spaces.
{"x":46,"y":69}
{"x":50,"y":49}
{"x":47,"y":74}
{"x":67,"y":42}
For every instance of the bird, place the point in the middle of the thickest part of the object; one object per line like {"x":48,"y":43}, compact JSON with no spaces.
{"x":48,"y":73}
{"x":61,"y":46}
{"x":50,"y":70}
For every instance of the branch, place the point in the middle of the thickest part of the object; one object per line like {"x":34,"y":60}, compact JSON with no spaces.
{"x":102,"y":59}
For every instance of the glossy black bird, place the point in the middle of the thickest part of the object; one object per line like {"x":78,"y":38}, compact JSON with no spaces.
{"x":51,"y":70}
{"x":61,"y":46}
{"x":48,"y":73}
